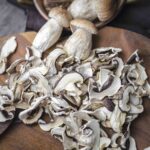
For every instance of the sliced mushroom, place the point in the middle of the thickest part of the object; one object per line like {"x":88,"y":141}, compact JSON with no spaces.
{"x":85,"y":70}
{"x":48,"y":126}
{"x":117,"y":119}
{"x":104,"y":143}
{"x":109,"y":91}
{"x":67,"y":82}
{"x":5,"y":116}
{"x":123,"y":104}
{"x":51,"y":59}
{"x":107,"y":53}
{"x":132,"y":144}
{"x":37,"y":111}
{"x":8,"y":48}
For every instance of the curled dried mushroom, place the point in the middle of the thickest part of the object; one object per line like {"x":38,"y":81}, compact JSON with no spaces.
{"x":83,"y":92}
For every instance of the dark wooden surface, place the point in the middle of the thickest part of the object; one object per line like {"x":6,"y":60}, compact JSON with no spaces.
{"x":22,"y":137}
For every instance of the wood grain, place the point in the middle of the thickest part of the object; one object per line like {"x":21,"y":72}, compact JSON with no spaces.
{"x":22,"y":137}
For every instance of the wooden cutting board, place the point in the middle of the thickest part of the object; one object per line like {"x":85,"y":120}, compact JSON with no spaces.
{"x":21,"y":137}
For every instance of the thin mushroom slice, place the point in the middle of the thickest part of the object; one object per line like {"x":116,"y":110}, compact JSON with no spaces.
{"x":132,"y":144}
{"x":50,"y":61}
{"x":109,"y":91}
{"x":5,"y":116}
{"x":68,"y":80}
{"x":104,"y":143}
{"x":35,"y":109}
{"x":85,"y":70}
{"x":117,"y":119}
{"x":107,"y":53}
{"x":48,"y":126}
{"x":123,"y":103}
{"x":8,"y":48}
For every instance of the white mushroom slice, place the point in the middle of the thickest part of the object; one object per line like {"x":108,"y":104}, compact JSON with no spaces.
{"x":123,"y":103}
{"x":136,"y":74}
{"x":79,"y":43}
{"x":8,"y":116}
{"x":42,"y":85}
{"x":102,"y":114}
{"x":120,"y":66}
{"x":117,"y":119}
{"x":142,"y":74}
{"x":114,"y":139}
{"x":83,"y":9}
{"x":132,"y":144}
{"x":68,"y":79}
{"x":107,"y":53}
{"x":48,"y":126}
{"x":59,"y":104}
{"x":103,"y":76}
{"x":58,"y":133}
{"x":8,"y":48}
{"x":25,"y":115}
{"x":50,"y":60}
{"x":13,"y":66}
{"x":134,"y":56}
{"x":136,"y":109}
{"x":7,"y":94}
{"x":85,"y":70}
{"x":110,"y":91}
{"x":68,"y":142}
{"x":89,"y":135}
{"x":104,"y":143}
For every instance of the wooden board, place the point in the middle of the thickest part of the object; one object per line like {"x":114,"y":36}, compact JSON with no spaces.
{"x":21,"y":137}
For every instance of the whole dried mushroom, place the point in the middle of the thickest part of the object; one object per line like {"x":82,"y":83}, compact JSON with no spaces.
{"x":91,"y":9}
{"x":82,"y":91}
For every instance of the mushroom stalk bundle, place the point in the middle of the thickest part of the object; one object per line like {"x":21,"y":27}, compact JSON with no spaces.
{"x":82,"y":91}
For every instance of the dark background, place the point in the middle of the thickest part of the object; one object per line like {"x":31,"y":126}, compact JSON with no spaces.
{"x":14,"y":18}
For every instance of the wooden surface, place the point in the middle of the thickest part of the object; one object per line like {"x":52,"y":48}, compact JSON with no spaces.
{"x":22,"y":137}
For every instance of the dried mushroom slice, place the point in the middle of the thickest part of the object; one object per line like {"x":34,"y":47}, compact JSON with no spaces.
{"x":8,"y":48}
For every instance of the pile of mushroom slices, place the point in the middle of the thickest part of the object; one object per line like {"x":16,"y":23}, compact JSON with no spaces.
{"x":89,"y":97}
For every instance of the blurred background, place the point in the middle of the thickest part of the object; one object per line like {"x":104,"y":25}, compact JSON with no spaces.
{"x":21,"y":15}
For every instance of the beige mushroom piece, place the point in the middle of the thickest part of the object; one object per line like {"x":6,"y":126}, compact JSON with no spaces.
{"x":8,"y":48}
{"x":67,"y":82}
{"x":25,"y":115}
{"x":79,"y":44}
{"x":51,"y":31}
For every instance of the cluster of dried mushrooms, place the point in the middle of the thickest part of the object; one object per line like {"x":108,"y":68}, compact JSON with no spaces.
{"x":90,"y":97}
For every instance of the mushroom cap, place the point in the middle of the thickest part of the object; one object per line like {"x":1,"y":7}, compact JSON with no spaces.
{"x":83,"y":24}
{"x":61,"y":15}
